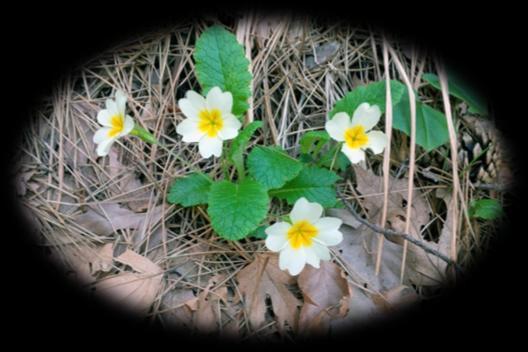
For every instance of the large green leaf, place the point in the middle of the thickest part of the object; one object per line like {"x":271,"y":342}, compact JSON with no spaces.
{"x":272,"y":167}
{"x":431,"y":124}
{"x":313,"y":141}
{"x":190,"y":190}
{"x":220,"y":61}
{"x":487,"y":209}
{"x":313,"y":183}
{"x":236,"y":152}
{"x":461,"y":90}
{"x":237,"y":209}
{"x":373,"y":93}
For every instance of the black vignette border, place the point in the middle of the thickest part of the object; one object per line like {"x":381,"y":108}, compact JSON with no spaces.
{"x":488,"y":55}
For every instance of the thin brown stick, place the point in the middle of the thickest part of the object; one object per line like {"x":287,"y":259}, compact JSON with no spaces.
{"x":412,"y":100}
{"x":386,"y":156}
{"x":454,"y":160}
{"x":405,"y":236}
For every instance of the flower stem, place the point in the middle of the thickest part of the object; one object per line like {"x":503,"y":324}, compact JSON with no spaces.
{"x":143,"y":134}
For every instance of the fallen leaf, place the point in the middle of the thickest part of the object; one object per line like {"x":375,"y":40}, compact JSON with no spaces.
{"x":263,"y":278}
{"x":206,"y":317}
{"x":395,"y":298}
{"x":177,"y":307}
{"x":422,"y":269}
{"x":322,"y":54}
{"x":136,"y":290}
{"x":105,"y":219}
{"x":326,"y":295}
{"x":127,"y":188}
{"x":84,"y":261}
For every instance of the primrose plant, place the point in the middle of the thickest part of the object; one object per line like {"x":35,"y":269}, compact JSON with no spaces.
{"x":238,"y":206}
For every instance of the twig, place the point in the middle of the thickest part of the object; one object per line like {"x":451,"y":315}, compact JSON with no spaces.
{"x":454,"y":160}
{"x":405,"y":236}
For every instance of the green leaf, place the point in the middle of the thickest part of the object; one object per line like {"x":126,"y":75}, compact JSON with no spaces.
{"x":313,"y":183}
{"x":190,"y":190}
{"x":221,"y":62}
{"x":237,"y":209}
{"x":487,"y":209}
{"x":312,"y":139}
{"x":272,"y":167}
{"x":373,"y":93}
{"x":341,"y":163}
{"x":459,"y":89}
{"x":431,"y":124}
{"x":236,"y":152}
{"x":260,"y":232}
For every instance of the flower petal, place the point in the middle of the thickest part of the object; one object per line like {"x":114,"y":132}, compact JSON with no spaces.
{"x":196,"y":100}
{"x":321,"y":251}
{"x":231,"y":127}
{"x":292,"y":259}
{"x":216,"y":99}
{"x":305,"y":210}
{"x":366,"y":115}
{"x":188,"y":109}
{"x":377,"y":141}
{"x":354,"y":155}
{"x":188,"y":128}
{"x":329,"y":238}
{"x":120,"y":100}
{"x":104,"y":147}
{"x":103,"y":117}
{"x":311,"y":257}
{"x":101,"y":135}
{"x":328,"y":224}
{"x":128,"y":125}
{"x":337,"y":125}
{"x":210,"y":146}
{"x":277,"y":236}
{"x":111,"y":106}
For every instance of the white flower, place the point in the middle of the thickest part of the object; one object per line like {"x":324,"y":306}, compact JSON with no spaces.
{"x":305,"y":240}
{"x":355,"y":134}
{"x":209,"y":120}
{"x":115,"y":123}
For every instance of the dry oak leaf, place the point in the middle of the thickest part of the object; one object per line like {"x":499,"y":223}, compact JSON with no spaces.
{"x":422,"y":269}
{"x":263,"y":278}
{"x":176,"y":307}
{"x":137,"y":289}
{"x":84,"y":261}
{"x":206,"y":317}
{"x":127,"y":188}
{"x":105,"y":219}
{"x":326,"y":295}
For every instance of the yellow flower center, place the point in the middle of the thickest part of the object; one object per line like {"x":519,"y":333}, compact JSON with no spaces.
{"x":301,"y":234}
{"x":118,"y":123}
{"x":210,"y":121}
{"x":355,"y":137}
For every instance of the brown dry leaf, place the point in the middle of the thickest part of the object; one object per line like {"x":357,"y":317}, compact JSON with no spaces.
{"x":177,"y":306}
{"x":137,"y":289}
{"x":264,"y":278}
{"x":128,"y":189}
{"x":85,"y":261}
{"x":207,"y":317}
{"x":422,"y":269}
{"x":105,"y":219}
{"x":357,"y":252}
{"x":326,"y":295}
{"x":395,"y":297}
